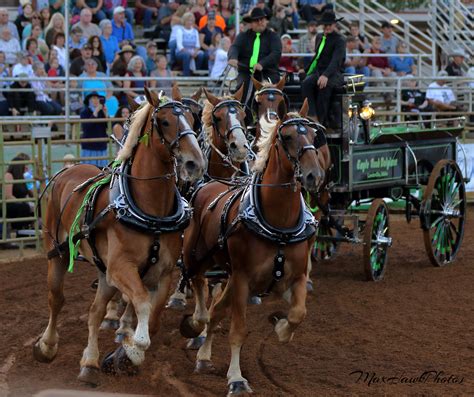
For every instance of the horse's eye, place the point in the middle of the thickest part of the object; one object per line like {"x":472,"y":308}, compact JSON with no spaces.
{"x":165,"y":123}
{"x":287,"y":138}
{"x":217,"y":119}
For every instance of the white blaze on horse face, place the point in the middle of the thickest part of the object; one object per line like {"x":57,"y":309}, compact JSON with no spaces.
{"x":237,"y":141}
{"x":193,"y":162}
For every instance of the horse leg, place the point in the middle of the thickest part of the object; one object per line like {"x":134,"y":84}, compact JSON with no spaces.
{"x":90,"y":358}
{"x":238,"y":332}
{"x":46,"y":348}
{"x":285,"y":327}
{"x":216,"y":314}
{"x":177,"y":300}
{"x":126,"y":321}
{"x":192,"y":326}
{"x":111,"y":320}
{"x":158,"y":301}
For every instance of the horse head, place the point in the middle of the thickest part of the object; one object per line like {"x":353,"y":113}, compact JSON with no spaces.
{"x":224,"y":122}
{"x":268,"y":97}
{"x":172,"y":124}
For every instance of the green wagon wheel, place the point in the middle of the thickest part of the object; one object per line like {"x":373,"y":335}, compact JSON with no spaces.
{"x":443,"y":213}
{"x":376,"y":240}
{"x":323,"y":248}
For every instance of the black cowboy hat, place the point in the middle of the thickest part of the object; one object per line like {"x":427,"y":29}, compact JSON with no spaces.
{"x":328,"y":18}
{"x":89,"y":96}
{"x":255,"y":15}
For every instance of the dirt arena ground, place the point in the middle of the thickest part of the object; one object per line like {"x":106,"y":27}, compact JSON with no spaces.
{"x":408,"y":335}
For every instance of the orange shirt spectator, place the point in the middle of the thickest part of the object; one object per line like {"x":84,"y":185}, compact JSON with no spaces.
{"x":220,"y":22}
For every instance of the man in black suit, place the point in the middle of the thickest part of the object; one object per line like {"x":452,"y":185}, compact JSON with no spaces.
{"x":256,"y":51}
{"x":325,"y":71}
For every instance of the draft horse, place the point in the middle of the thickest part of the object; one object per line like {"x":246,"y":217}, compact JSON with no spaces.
{"x":262,"y":231}
{"x":131,"y":229}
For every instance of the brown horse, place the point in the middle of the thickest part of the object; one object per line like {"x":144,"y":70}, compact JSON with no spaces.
{"x":262,"y":231}
{"x":136,"y":232}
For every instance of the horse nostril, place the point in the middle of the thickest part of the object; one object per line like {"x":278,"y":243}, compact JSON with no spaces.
{"x":233,"y":146}
{"x":190,"y":165}
{"x":310,"y":178}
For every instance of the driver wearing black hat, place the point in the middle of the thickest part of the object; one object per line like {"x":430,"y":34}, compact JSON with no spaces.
{"x":325,"y":72}
{"x":256,"y":51}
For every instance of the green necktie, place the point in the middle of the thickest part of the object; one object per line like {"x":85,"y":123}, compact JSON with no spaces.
{"x":312,"y":68}
{"x":255,"y":52}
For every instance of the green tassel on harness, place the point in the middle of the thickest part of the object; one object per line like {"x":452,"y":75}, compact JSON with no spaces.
{"x":308,"y":203}
{"x":73,"y":247}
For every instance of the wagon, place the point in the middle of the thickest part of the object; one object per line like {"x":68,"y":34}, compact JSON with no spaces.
{"x":412,"y":164}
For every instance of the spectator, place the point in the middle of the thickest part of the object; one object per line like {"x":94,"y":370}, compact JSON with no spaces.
{"x":287,"y":63}
{"x":18,"y":100}
{"x":58,"y":45}
{"x":220,"y":22}
{"x":161,"y":70}
{"x":24,"y":18}
{"x":34,"y":55}
{"x":402,"y":65}
{"x":121,"y":29}
{"x":44,"y":104}
{"x":146,"y":11}
{"x":77,"y":66}
{"x":23,"y":66}
{"x":4,"y":72}
{"x":279,"y":23}
{"x":9,"y":45}
{"x":163,"y":28}
{"x":109,"y":42}
{"x":454,"y":68}
{"x":355,"y":32}
{"x":135,"y":68}
{"x":176,"y":25}
{"x":95,"y":7}
{"x":355,"y":65}
{"x":123,"y":112}
{"x":413,"y":100}
{"x":470,"y":75}
{"x":56,"y":6}
{"x":188,"y":47}
{"x":35,"y":21}
{"x":85,"y":23}
{"x":311,"y":10}
{"x":440,"y":96}
{"x":388,"y":41}
{"x":246,"y":6}
{"x":41,"y":46}
{"x":291,"y":10}
{"x":306,"y":44}
{"x":208,"y":34}
{"x":69,"y":160}
{"x":119,"y":69}
{"x":45,"y":16}
{"x":220,"y":62}
{"x":199,"y":10}
{"x":98,"y":51}
{"x":151,"y":52}
{"x":94,"y":109}
{"x":75,"y":98}
{"x":55,"y":26}
{"x":76,"y":41}
{"x":111,"y":5}
{"x":18,"y":191}
{"x":96,"y":81}
{"x":226,"y":10}
{"x":54,"y":69}
{"x":111,"y":102}
{"x":5,"y":22}
{"x":379,"y":66}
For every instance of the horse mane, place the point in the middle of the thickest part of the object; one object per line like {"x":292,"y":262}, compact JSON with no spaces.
{"x":267,"y":84}
{"x":268,"y":131}
{"x":207,"y":116}
{"x":137,"y":121}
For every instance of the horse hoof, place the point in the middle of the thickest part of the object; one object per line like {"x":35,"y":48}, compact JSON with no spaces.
{"x":255,"y":300}
{"x":186,"y":329}
{"x":176,"y":304}
{"x":275,"y":317}
{"x":107,"y":365}
{"x":89,"y":375}
{"x":195,"y":343}
{"x":110,"y":324}
{"x":204,"y":367}
{"x":239,"y":388}
{"x":40,"y":356}
{"x":309,"y":287}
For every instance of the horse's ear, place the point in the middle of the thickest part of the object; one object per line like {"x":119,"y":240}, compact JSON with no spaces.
{"x":211,"y":98}
{"x":281,"y":84}
{"x":258,"y":86}
{"x":304,"y":108}
{"x":197,"y":95}
{"x":132,"y":104}
{"x":176,"y":93}
{"x":282,"y":110}
{"x":239,"y":93}
{"x":151,"y":97}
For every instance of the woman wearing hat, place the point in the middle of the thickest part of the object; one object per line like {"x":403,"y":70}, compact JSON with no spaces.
{"x":325,"y":71}
{"x":256,"y":51}
{"x":94,"y":108}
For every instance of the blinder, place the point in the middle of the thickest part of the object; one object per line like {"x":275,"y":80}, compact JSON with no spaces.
{"x":271,"y":93}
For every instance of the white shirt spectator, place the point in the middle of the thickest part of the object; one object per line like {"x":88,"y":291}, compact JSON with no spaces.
{"x":39,"y":87}
{"x":61,"y":55}
{"x":19,"y":69}
{"x":440,"y":93}
{"x":4,"y":22}
{"x":187,"y":39}
{"x":91,"y":29}
{"x":220,"y":63}
{"x":9,"y":45}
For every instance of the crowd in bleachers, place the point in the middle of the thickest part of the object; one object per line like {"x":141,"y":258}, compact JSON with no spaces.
{"x":109,"y":38}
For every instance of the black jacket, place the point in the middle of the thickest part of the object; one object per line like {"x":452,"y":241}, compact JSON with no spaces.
{"x":20,"y":99}
{"x":333,"y":56}
{"x":269,"y":55}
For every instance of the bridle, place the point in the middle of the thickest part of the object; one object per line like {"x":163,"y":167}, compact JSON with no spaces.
{"x":302,"y":124}
{"x":178,"y":110}
{"x":188,"y":105}
{"x":271,"y":93}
